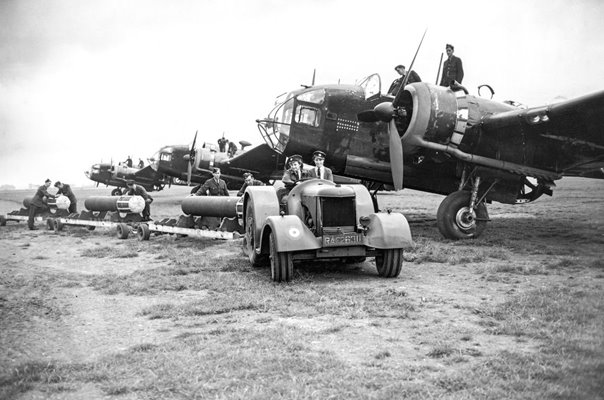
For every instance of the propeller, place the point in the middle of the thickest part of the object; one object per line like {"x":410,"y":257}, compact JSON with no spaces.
{"x":191,"y":159}
{"x":386,"y":112}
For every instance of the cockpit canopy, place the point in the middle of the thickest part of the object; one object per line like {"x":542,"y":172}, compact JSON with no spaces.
{"x":307,"y":107}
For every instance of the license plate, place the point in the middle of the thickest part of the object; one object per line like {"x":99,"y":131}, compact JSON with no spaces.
{"x":342,"y":239}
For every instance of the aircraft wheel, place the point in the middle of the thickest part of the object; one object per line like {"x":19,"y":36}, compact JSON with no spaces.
{"x":50,"y":225}
{"x":249,"y":243}
{"x":456,"y":221}
{"x":58,"y":226}
{"x":116,"y":192}
{"x":389,"y":262}
{"x":123,"y":230}
{"x":282,"y":265}
{"x":144,"y":233}
{"x":2,"y":220}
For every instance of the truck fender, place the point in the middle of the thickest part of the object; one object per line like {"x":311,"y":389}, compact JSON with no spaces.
{"x":264,"y":202}
{"x":388,"y":231}
{"x":290,"y":234}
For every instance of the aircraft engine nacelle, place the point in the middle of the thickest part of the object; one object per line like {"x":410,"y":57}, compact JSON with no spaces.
{"x":205,"y":159}
{"x":122,"y":204}
{"x":437,"y":114}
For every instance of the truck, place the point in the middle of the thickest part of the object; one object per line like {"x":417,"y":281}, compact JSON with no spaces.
{"x":319,"y":220}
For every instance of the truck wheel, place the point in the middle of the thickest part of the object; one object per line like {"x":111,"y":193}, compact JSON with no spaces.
{"x":389,"y":262}
{"x":282,"y":265}
{"x":456,"y":221}
{"x":116,"y":192}
{"x":123,"y":231}
{"x":249,"y":244}
{"x":144,"y":233}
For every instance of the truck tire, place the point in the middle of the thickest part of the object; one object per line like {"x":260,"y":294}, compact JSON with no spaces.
{"x":249,"y":241}
{"x":389,"y":262}
{"x":282,"y":265}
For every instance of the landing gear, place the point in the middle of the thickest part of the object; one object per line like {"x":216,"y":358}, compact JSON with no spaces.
{"x":458,"y":219}
{"x":116,"y":192}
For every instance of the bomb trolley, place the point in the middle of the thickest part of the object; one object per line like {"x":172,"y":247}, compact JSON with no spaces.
{"x":213,"y":217}
{"x":55,"y":207}
{"x":122,"y":213}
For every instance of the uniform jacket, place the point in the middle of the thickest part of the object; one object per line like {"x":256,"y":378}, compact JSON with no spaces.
{"x":211,"y":188}
{"x":245,"y":185}
{"x":327,"y":174}
{"x":66,"y":191}
{"x":290,"y":178}
{"x":413,"y":77}
{"x":38,"y":199}
{"x":138,"y":190}
{"x":452,"y":70}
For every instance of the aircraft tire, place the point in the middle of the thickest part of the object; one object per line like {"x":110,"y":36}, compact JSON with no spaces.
{"x":454,"y":219}
{"x":144,"y":233}
{"x":249,"y":242}
{"x":116,"y":192}
{"x":282,"y":265}
{"x":389,"y":262}
{"x":123,"y":231}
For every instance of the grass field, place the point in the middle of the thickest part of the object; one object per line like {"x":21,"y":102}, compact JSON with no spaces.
{"x":515,"y":314}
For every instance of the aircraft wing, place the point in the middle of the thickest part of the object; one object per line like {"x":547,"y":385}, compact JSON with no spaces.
{"x":262,"y":161}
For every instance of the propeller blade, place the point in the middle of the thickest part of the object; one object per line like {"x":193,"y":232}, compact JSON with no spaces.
{"x":193,"y":145}
{"x":189,"y":168}
{"x":397,"y":98}
{"x":396,"y":156}
{"x":367,"y":116}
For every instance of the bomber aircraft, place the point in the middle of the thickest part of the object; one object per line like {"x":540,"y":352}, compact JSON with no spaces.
{"x":442,"y":140}
{"x":182,"y":164}
{"x":117,"y":175}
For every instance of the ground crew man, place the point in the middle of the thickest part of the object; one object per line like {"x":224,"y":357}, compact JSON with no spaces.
{"x":320,"y":171}
{"x":213,"y":186}
{"x":452,"y":68}
{"x":65,"y":190}
{"x":38,"y":203}
{"x":413,"y":77}
{"x":132,"y":189}
{"x":248,"y":181}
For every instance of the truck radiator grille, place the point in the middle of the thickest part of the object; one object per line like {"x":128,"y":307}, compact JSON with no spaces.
{"x":338,"y":211}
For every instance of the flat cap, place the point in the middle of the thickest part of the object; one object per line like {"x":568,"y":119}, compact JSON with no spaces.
{"x":399,"y":66}
{"x":57,"y":183}
{"x":449,"y":46}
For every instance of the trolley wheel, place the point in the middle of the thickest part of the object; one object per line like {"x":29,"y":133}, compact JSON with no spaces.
{"x":58,"y":225}
{"x":123,"y":230}
{"x":50,"y":225}
{"x":2,"y":220}
{"x":144,"y":233}
{"x":91,"y":227}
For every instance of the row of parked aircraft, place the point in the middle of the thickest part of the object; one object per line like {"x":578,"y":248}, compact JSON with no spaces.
{"x":472,"y":149}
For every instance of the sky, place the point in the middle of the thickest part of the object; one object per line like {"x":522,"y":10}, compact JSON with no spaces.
{"x":88,"y":81}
